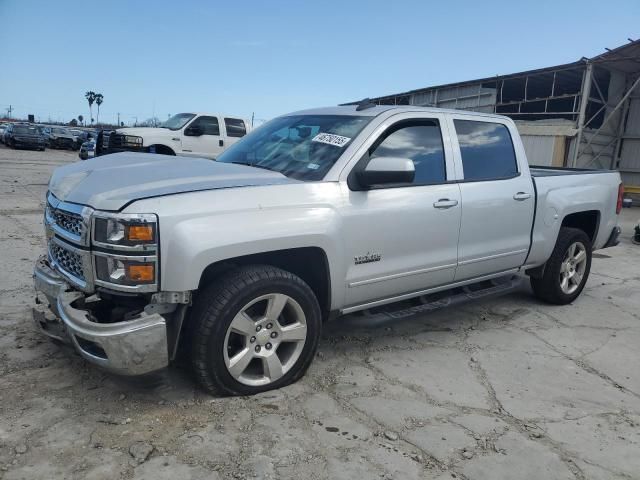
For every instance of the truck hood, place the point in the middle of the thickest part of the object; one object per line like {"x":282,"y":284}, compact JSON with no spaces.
{"x":112,"y":181}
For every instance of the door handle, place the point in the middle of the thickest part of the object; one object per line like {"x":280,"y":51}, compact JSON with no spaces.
{"x":445,"y":203}
{"x":520,"y":196}
{"x":221,"y":142}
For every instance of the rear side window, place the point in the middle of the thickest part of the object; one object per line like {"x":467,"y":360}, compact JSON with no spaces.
{"x":209,"y":125}
{"x":419,"y":141}
{"x":235,"y":127}
{"x":486,"y":149}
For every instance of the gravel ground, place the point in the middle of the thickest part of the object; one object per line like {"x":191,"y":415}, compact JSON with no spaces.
{"x":500,"y":389}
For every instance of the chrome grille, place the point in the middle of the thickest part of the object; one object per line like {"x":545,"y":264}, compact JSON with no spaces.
{"x":67,"y":260}
{"x":70,"y":222}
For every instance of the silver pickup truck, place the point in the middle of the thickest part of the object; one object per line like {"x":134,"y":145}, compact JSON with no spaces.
{"x":315,"y":214}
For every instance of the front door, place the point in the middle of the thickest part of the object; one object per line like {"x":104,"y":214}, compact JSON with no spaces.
{"x":202,"y":138}
{"x":403,"y":238}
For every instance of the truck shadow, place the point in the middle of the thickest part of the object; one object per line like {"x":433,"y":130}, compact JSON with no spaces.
{"x":354,"y":335}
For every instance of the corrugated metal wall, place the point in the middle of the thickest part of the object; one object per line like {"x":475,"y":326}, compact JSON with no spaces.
{"x":465,"y":97}
{"x":539,"y":149}
{"x":630,"y":154}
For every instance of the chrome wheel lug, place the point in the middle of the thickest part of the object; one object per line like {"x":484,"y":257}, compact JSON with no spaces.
{"x":274,"y":334}
{"x":269,"y":326}
{"x":257,"y":348}
{"x":258,"y":328}
{"x":268,"y":346}
{"x":252,"y":339}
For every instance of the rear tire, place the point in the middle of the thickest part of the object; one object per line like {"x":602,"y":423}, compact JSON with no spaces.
{"x":567,"y":270}
{"x":255,"y":329}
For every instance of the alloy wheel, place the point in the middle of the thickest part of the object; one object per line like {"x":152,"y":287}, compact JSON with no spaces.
{"x":265,"y":339}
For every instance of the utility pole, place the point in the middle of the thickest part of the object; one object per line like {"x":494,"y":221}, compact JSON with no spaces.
{"x":9,"y":110}
{"x":253,"y":114}
{"x":118,"y":119}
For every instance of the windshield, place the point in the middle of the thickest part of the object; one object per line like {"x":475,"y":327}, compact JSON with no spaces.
{"x":303,"y":147}
{"x":178,"y":121}
{"x":20,"y":130}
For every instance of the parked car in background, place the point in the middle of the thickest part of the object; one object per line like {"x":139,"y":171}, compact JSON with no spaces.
{"x":88,"y":148}
{"x":24,"y":135}
{"x":80,"y":137}
{"x":3,"y":128}
{"x":46,"y":132}
{"x":186,"y":134}
{"x":315,"y":214}
{"x":61,"y":138}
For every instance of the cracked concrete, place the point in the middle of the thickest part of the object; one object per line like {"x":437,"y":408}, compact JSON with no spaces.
{"x":500,"y":389}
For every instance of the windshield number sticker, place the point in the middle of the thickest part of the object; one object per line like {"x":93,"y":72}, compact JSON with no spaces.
{"x":331,"y":139}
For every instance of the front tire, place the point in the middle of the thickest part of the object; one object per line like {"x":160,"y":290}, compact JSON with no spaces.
{"x":567,"y":270}
{"x":255,"y":329}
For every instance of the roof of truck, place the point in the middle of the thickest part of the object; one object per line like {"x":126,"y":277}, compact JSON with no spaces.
{"x":374,"y":111}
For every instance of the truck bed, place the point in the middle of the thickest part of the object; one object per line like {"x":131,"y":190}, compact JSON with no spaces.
{"x":543,"y":171}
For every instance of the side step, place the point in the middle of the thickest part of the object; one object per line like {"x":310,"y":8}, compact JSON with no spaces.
{"x":447,"y":298}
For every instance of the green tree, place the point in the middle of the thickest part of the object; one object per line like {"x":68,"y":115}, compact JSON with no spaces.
{"x":99,"y":99}
{"x":91,"y":97}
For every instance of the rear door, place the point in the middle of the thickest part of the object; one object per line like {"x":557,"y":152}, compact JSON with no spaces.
{"x":497,"y":196}
{"x":207,"y":142}
{"x":235,"y":128}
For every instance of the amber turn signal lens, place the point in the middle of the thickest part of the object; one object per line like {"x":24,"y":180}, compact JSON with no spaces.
{"x":140,"y":233}
{"x":140,"y":273}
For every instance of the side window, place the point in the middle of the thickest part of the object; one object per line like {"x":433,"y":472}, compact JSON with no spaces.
{"x":486,"y":149}
{"x":235,"y":127}
{"x":209,"y":125}
{"x":419,"y":141}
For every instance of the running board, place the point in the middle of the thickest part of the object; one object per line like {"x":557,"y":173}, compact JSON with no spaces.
{"x":447,"y":298}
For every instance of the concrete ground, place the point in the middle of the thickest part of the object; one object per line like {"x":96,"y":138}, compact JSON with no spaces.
{"x":505,"y":388}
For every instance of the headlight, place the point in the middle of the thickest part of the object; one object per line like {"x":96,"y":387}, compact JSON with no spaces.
{"x":125,"y":271}
{"x":128,"y":231}
{"x":125,"y":249}
{"x":132,"y":140}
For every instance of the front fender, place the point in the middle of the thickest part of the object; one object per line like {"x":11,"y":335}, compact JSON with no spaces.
{"x":195,"y":243}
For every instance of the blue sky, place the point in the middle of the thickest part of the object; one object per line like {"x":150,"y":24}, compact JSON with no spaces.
{"x":272,"y":57}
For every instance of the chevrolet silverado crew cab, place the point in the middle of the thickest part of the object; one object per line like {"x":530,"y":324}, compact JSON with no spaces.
{"x":187,"y":134}
{"x":317,"y":213}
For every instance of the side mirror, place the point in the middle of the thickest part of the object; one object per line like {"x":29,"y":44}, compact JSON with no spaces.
{"x":194,"y":131}
{"x":386,"y":170}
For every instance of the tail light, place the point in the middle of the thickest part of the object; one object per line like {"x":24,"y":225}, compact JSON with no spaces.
{"x":620,"y":198}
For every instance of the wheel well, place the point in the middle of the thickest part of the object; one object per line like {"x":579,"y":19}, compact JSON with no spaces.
{"x":587,"y":221}
{"x":308,"y":263}
{"x":163,"y":149}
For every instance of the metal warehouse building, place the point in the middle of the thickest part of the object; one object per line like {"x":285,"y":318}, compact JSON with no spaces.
{"x":581,"y":114}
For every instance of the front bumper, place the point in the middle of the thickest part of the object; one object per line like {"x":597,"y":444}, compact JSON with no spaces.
{"x":132,"y":347}
{"x":28,"y":144}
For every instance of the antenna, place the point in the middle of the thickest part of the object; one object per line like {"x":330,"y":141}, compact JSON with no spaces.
{"x":364,"y":104}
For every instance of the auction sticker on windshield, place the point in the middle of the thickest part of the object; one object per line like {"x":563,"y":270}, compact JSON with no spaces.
{"x":331,"y":139}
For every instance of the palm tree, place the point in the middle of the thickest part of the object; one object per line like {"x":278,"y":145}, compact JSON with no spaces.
{"x":80,"y":118}
{"x":99,"y":100}
{"x":91,"y":97}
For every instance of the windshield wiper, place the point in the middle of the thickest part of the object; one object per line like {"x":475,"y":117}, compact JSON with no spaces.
{"x":264,"y":167}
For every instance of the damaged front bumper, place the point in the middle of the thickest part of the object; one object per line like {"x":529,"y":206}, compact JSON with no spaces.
{"x":132,"y":347}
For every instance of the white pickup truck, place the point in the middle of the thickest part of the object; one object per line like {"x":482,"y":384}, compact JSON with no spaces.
{"x":187,"y":134}
{"x":313,"y":215}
